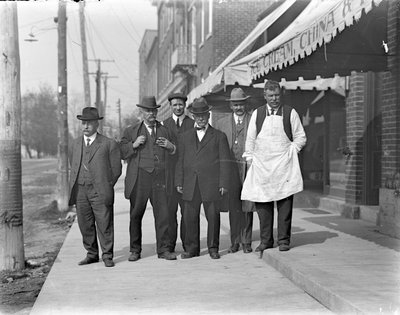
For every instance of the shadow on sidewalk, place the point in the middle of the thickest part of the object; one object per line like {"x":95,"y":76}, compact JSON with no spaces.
{"x":358,"y":228}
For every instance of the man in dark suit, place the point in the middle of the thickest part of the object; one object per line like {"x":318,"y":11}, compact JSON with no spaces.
{"x":202,"y":177}
{"x":147,"y":148}
{"x":176,"y":124}
{"x":240,"y":212}
{"x":95,"y":168}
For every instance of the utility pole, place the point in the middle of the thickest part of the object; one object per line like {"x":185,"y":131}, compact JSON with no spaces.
{"x":106,"y":77}
{"x":86,"y":83}
{"x":12,"y":255}
{"x":119,"y":118}
{"x":62,"y":176}
{"x":98,"y":74}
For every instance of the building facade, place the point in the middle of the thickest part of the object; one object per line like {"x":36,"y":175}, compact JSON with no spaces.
{"x":194,"y":37}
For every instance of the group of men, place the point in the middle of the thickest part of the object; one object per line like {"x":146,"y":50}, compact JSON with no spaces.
{"x":244,"y":163}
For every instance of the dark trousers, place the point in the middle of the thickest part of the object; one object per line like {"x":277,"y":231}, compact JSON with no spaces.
{"x":265,"y":212}
{"x":91,"y":212}
{"x":241,"y":226}
{"x":173,"y":201}
{"x":149,"y":186}
{"x":191,"y":216}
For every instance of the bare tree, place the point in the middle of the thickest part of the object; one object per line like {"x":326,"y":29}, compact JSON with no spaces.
{"x":12,"y":247}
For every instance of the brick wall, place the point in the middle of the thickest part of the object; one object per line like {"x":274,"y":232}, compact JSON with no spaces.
{"x":232,"y":22}
{"x":390,"y":98}
{"x":355,"y":132}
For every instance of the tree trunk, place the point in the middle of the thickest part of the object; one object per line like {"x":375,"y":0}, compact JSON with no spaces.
{"x":12,"y":242}
{"x":62,"y":178}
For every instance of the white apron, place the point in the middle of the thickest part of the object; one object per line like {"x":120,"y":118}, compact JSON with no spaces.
{"x":275,"y":171}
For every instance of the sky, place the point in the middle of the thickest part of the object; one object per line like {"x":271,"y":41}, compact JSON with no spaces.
{"x":114,"y":30}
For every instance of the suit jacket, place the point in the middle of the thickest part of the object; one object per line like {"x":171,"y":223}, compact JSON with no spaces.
{"x":206,"y":162}
{"x":133,"y":155}
{"x":169,"y":123}
{"x":233,"y":201}
{"x":104,"y":166}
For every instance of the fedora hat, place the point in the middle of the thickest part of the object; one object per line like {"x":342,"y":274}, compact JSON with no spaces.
{"x":148,"y":102}
{"x":177,"y":95}
{"x":237,"y":95}
{"x":199,"y":106}
{"x":89,"y":113}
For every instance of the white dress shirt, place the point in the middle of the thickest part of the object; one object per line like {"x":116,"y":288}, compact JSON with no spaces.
{"x":201,"y":133}
{"x":92,"y":138}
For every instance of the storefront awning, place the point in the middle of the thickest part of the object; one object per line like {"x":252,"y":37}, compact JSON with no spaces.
{"x":240,"y":74}
{"x":318,"y":25}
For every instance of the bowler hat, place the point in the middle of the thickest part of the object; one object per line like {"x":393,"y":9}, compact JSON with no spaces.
{"x":148,"y":102}
{"x":89,"y":113}
{"x":177,"y":95}
{"x":237,"y":95}
{"x":199,"y":106}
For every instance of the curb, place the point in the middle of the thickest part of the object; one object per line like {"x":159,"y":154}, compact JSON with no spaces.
{"x":310,"y":285}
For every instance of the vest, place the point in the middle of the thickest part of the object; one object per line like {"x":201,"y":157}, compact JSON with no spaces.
{"x":262,"y":112}
{"x":84,"y":176}
{"x":151,"y":155}
{"x":238,"y":140}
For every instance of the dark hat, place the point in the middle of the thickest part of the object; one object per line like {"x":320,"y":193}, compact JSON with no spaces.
{"x":177,"y":95}
{"x":199,"y":106}
{"x":148,"y":102}
{"x":237,"y":95}
{"x":89,"y":113}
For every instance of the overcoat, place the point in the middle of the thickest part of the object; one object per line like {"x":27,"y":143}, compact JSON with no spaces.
{"x":132,"y":156}
{"x":170,"y":124}
{"x":233,"y":202}
{"x":206,"y":162}
{"x":104,"y":166}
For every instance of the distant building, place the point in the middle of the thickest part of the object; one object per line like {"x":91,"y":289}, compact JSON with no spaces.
{"x":148,"y":54}
{"x":194,"y":37}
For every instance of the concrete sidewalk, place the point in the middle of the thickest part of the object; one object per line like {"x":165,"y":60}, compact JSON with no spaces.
{"x":342,"y":263}
{"x":345,"y":264}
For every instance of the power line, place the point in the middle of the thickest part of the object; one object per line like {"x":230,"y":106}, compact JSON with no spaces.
{"x":89,"y":35}
{"x":130,"y":21}
{"x":120,"y":22}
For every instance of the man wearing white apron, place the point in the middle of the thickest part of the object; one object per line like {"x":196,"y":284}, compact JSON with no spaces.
{"x":274,"y":138}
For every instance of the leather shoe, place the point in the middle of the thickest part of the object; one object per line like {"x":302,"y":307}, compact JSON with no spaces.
{"x":233,"y":249}
{"x":167,"y":256}
{"x":247,"y":248}
{"x":284,"y":247}
{"x":88,"y":261}
{"x":262,"y":247}
{"x":215,"y":255}
{"x":187,"y":255}
{"x":134,"y":256}
{"x":108,"y":262}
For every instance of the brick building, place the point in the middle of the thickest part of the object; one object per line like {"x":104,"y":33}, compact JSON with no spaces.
{"x":194,"y":37}
{"x":353,"y":146}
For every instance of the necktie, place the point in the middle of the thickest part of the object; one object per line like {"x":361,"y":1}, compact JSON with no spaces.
{"x":272,"y":111}
{"x":88,"y":142}
{"x":240,"y":121}
{"x":153,"y":132}
{"x":200,"y":128}
{"x":177,"y":123}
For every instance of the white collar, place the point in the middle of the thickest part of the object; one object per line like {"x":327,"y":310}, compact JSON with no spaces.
{"x":181,"y":118}
{"x":275,"y":109}
{"x":92,"y":137}
{"x":236,"y":118}
{"x":204,"y":130}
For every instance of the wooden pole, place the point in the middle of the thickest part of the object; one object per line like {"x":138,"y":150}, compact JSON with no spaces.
{"x":86,"y":82}
{"x":62,"y":176}
{"x":12,"y":255}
